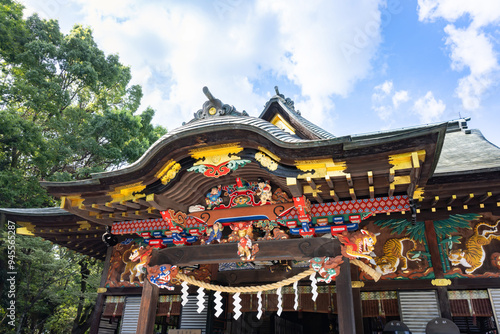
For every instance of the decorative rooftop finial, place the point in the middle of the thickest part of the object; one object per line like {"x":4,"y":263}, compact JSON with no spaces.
{"x":288,"y":101}
{"x":214,"y":107}
{"x":209,"y":95}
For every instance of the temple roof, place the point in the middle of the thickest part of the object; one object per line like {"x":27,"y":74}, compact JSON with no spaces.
{"x":467,"y":152}
{"x":60,"y":227}
{"x":429,"y":162}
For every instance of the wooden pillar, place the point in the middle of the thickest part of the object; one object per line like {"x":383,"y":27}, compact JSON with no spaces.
{"x":347,"y":322}
{"x":96,"y":313}
{"x":147,"y":313}
{"x":442,"y":291}
{"x":356,"y":298}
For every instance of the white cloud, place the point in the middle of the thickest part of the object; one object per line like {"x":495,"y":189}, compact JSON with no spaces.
{"x":234,"y":47}
{"x":482,"y":12}
{"x":428,"y":109}
{"x":386,"y":87}
{"x":384,"y":103}
{"x":470,"y":48}
{"x":400,"y":97}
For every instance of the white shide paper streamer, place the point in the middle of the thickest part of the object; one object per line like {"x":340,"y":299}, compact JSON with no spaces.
{"x":237,"y":305}
{"x":218,"y":303}
{"x":259,"y":296}
{"x":296,"y":300}
{"x":201,"y":300}
{"x":280,"y":301}
{"x":314,"y":287}
{"x":185,"y":288}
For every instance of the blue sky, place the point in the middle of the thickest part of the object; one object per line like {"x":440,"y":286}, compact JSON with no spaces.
{"x":351,"y":66}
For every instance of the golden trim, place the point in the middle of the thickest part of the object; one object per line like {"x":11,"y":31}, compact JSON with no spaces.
{"x":266,"y":161}
{"x":358,"y":284}
{"x":126,"y":192}
{"x":216,"y":155}
{"x":84,"y":225}
{"x":281,"y":123}
{"x":441,"y":282}
{"x":269,"y":153}
{"x":168,"y":171}
{"x":404,"y":179}
{"x":418,"y":193}
{"x":73,"y":200}
{"x":101,"y":290}
{"x":407,"y":160}
{"x":24,"y":231}
{"x":321,"y":167}
{"x":310,"y":190}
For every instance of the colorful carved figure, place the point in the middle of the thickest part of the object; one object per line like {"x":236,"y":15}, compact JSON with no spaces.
{"x":162,"y":276}
{"x":326,"y":267}
{"x":393,"y":255}
{"x":213,"y":197}
{"x":473,"y":256}
{"x":264,"y":191}
{"x":359,"y":244}
{"x":215,"y":233}
{"x":246,"y":248}
{"x":135,"y":259}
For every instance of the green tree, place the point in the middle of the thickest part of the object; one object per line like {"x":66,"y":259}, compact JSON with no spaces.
{"x":66,"y":110}
{"x":52,"y":285}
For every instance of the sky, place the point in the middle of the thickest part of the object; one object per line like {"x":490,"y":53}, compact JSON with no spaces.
{"x":351,"y":67}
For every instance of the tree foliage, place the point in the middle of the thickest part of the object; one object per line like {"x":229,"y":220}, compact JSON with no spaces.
{"x":66,"y":110}
{"x":49,"y":284}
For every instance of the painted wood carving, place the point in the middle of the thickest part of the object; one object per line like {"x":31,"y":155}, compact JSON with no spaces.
{"x":217,"y":161}
{"x":246,"y":247}
{"x":396,"y":255}
{"x":161,"y":276}
{"x":400,"y":250}
{"x":327,"y":268}
{"x":128,"y":261}
{"x":360,"y":244}
{"x":468,"y":245}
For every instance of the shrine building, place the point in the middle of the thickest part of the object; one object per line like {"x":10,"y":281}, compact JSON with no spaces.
{"x":270,"y":224}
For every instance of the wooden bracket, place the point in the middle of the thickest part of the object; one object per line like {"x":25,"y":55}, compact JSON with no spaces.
{"x":294,"y":186}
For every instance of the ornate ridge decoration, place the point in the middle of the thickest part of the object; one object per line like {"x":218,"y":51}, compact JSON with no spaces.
{"x":266,"y":161}
{"x":168,"y":171}
{"x":214,"y":107}
{"x":441,"y":282}
{"x":216,"y":161}
{"x":286,"y":100}
{"x":219,"y":170}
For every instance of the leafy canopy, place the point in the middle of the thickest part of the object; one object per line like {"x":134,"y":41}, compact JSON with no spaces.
{"x":66,"y":110}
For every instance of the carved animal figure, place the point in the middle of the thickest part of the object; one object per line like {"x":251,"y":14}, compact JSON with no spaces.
{"x":473,"y":256}
{"x":135,"y":259}
{"x":393,"y":255}
{"x":326,"y":267}
{"x":359,"y":244}
{"x":162,"y":275}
